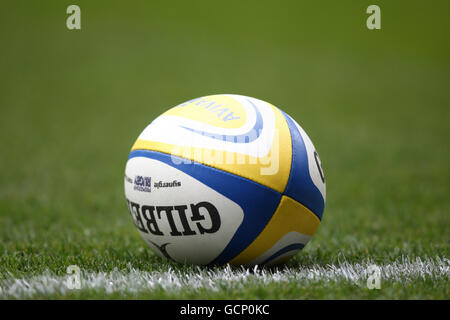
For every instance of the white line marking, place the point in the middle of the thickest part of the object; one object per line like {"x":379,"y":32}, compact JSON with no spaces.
{"x":134,"y":281}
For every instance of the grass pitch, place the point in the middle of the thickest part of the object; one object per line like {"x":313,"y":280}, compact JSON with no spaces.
{"x":375,"y":104}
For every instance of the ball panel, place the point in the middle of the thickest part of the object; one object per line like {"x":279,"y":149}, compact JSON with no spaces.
{"x":175,"y":213}
{"x":256,"y":201}
{"x":314,"y":164}
{"x":301,"y":185}
{"x":292,"y":223}
{"x":266,"y":160}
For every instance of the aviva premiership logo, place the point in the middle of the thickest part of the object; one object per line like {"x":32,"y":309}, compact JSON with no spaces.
{"x":144,"y":183}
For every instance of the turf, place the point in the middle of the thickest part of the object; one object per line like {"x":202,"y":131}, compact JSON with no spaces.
{"x":375,"y":104}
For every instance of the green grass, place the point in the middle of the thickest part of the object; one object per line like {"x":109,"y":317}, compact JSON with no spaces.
{"x":375,"y":104}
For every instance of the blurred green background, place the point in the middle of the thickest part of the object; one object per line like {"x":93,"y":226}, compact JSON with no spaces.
{"x":374,"y":102}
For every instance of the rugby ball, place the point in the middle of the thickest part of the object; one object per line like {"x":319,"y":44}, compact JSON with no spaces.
{"x":225,"y":179}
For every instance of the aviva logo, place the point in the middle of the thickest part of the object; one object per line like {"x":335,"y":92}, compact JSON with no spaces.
{"x":218,"y":110}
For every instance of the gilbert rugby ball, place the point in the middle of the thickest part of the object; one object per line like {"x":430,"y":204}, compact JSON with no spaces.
{"x":225,"y":179}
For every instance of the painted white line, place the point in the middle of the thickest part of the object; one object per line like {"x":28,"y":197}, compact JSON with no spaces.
{"x":134,"y":281}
